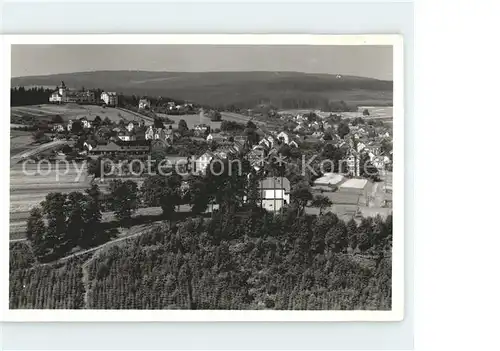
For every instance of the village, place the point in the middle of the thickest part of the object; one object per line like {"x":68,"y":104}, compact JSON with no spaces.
{"x":351,"y":145}
{"x":253,"y":188}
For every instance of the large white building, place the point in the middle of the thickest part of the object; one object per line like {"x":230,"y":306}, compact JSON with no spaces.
{"x":109,"y":98}
{"x":64,"y":95}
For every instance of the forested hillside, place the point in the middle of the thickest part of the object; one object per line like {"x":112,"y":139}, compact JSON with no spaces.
{"x":256,"y":261}
{"x":222,"y":89}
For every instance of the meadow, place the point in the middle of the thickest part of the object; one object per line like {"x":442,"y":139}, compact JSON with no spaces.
{"x":71,"y":112}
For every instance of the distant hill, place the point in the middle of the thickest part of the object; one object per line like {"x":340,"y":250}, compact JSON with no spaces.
{"x":242,"y":89}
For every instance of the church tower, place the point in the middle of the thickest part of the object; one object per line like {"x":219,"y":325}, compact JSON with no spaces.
{"x":62,"y":92}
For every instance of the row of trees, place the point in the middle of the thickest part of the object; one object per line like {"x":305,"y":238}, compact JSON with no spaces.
{"x":21,"y":96}
{"x":64,"y":221}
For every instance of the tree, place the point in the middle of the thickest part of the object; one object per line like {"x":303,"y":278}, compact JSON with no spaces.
{"x":97,"y":121}
{"x":251,"y":133}
{"x":352,"y":233}
{"x":94,"y":167}
{"x":92,"y":214}
{"x":57,"y":238}
{"x":327,"y":136}
{"x":106,"y":121}
{"x":321,"y":202}
{"x":77,"y":127}
{"x":38,"y":136}
{"x":336,"y":155}
{"x":285,"y":150}
{"x":162,"y":191}
{"x":124,"y":199}
{"x":158,"y":123}
{"x":75,"y":223}
{"x":182,"y":127}
{"x":367,"y":168}
{"x":301,"y":195}
{"x":198,"y":194}
{"x":66,"y":149}
{"x":35,"y":227}
{"x":366,"y":112}
{"x":57,"y":119}
{"x":343,"y":130}
{"x":215,"y":116}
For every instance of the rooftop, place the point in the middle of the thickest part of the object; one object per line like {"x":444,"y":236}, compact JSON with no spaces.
{"x":329,"y":179}
{"x":275,"y":183}
{"x":354,"y":184}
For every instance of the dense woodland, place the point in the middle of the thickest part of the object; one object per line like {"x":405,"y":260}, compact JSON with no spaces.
{"x":21,"y":96}
{"x":258,"y":261}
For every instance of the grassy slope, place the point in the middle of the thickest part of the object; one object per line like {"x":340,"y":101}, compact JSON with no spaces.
{"x":226,"y":87}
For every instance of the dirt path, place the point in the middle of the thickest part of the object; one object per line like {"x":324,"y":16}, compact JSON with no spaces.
{"x":136,"y":114}
{"x":117,"y":240}
{"x":86,"y":282}
{"x":27,"y":153}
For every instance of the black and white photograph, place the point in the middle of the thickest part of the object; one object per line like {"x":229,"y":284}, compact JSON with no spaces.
{"x":206,"y":177}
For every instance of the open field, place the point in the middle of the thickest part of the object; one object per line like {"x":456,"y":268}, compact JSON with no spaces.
{"x":26,"y":191}
{"x":20,"y":141}
{"x":191,"y":120}
{"x":377,"y":111}
{"x":74,"y":111}
{"x":28,"y":150}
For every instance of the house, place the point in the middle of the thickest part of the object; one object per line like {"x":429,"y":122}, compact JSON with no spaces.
{"x":360,"y":147}
{"x":136,"y":148}
{"x":300,"y":118}
{"x":203,"y":161}
{"x":374,"y":148}
{"x":293,"y":143}
{"x":315,"y":125}
{"x":237,"y":147}
{"x":318,"y":134}
{"x":131,"y":126}
{"x":379,"y":161}
{"x":353,"y":163}
{"x":89,"y":144}
{"x":109,"y":98}
{"x":201,"y":129}
{"x":85,"y":123}
{"x":58,"y":128}
{"x":299,"y":128}
{"x":283,"y":137}
{"x":330,"y":126}
{"x":126,"y":136}
{"x":218,"y":138}
{"x":149,"y":134}
{"x":257,"y":157}
{"x":144,"y":104}
{"x":274,"y":193}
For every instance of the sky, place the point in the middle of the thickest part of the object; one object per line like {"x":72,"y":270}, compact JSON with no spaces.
{"x":365,"y":61}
